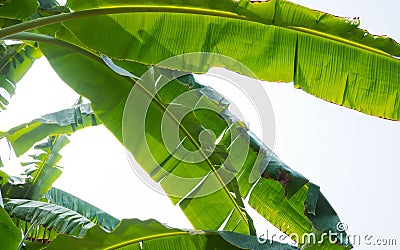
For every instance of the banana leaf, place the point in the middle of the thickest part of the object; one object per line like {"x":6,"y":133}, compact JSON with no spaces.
{"x":279,"y":194}
{"x":150,"y":234}
{"x":325,"y":55}
{"x":94,"y":214}
{"x":4,"y":178}
{"x":15,"y":61}
{"x":41,"y":171}
{"x":24,"y":136}
{"x":18,"y":9}
{"x":48,"y":216}
{"x":10,"y":236}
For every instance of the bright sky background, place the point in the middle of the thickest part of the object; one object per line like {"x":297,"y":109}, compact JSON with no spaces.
{"x":353,"y":157}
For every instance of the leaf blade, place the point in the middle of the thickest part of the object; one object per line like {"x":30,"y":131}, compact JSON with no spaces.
{"x":150,"y":234}
{"x":96,"y":215}
{"x":15,"y":61}
{"x":50,"y":216}
{"x":297,"y":185}
{"x":271,"y":48}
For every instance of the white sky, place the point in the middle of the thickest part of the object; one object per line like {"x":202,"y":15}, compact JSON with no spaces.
{"x":351,"y":156}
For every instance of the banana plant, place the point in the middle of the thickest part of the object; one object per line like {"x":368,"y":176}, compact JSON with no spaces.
{"x":94,"y":214}
{"x":37,"y":223}
{"x":40,"y":172}
{"x":56,"y":227}
{"x":42,"y":219}
{"x":42,"y":169}
{"x":325,"y":55}
{"x":291,"y":43}
{"x":15,"y":61}
{"x":151,"y":234}
{"x":67,"y":121}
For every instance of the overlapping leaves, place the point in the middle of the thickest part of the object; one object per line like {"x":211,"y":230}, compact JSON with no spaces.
{"x":42,"y":170}
{"x":67,"y":121}
{"x":15,"y":61}
{"x":326,"y":56}
{"x":45,"y":218}
{"x":150,"y":234}
{"x":281,"y":189}
{"x":94,"y":214}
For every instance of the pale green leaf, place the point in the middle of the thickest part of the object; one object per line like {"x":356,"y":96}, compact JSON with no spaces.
{"x":326,"y":56}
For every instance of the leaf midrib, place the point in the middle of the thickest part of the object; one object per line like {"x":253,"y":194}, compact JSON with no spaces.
{"x":40,"y":169}
{"x":43,"y":21}
{"x":47,"y":39}
{"x":144,"y":238}
{"x":12,"y":56}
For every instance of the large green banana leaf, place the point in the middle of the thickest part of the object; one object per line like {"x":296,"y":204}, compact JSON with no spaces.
{"x":47,"y":219}
{"x":280,"y":196}
{"x":116,"y":89}
{"x":150,"y":234}
{"x":15,"y":61}
{"x":66,"y":121}
{"x":324,"y":55}
{"x":94,"y":214}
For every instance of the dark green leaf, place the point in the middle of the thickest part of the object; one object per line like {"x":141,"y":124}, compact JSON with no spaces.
{"x":65,"y":121}
{"x":18,"y":9}
{"x":50,"y":216}
{"x":15,"y":61}
{"x":3,"y":2}
{"x":5,"y":22}
{"x":96,"y":215}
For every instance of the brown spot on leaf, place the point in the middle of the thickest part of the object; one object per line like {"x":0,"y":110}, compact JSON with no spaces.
{"x":283,"y":178}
